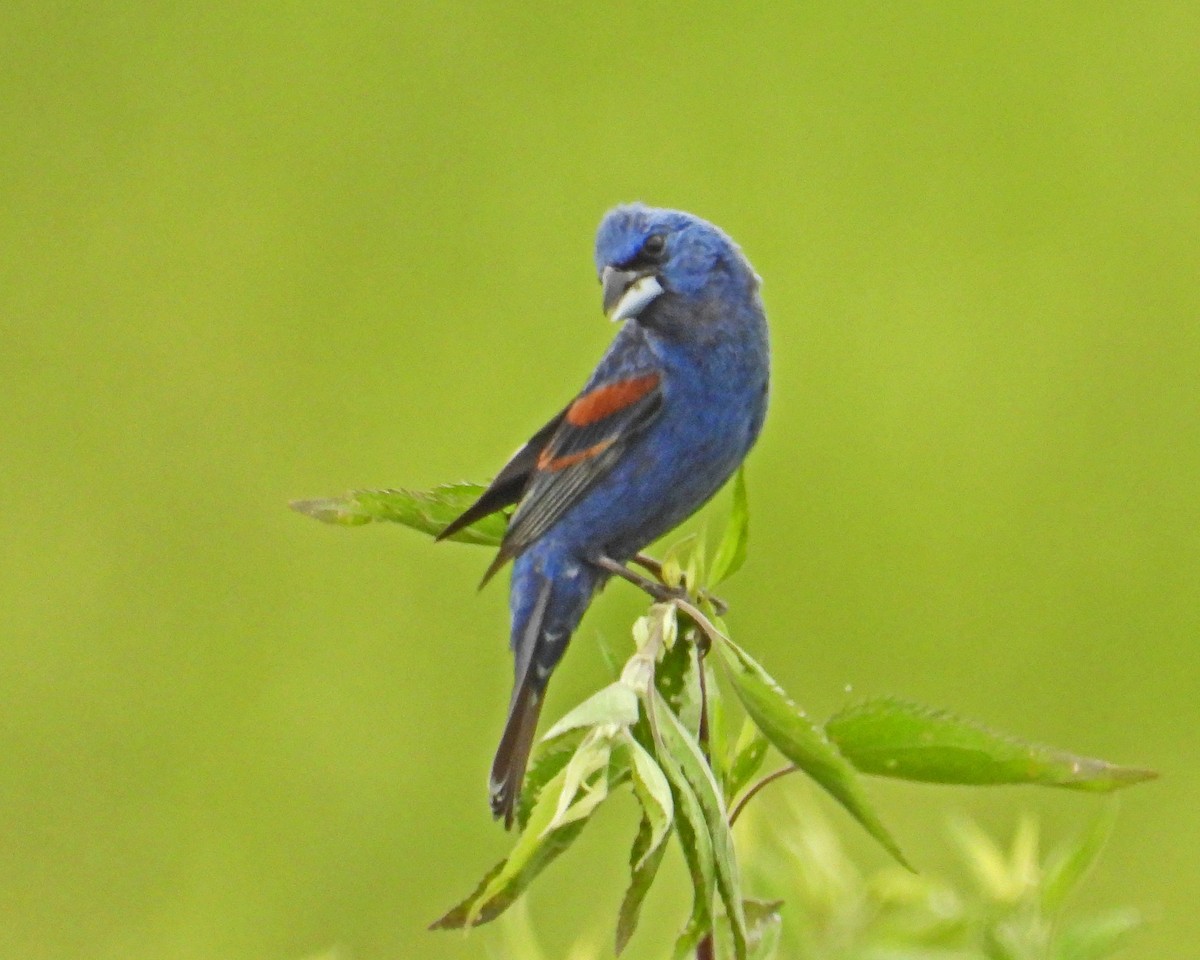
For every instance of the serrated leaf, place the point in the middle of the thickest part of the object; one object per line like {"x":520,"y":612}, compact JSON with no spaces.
{"x":506,"y":881}
{"x":731,"y":553}
{"x":747,"y":758}
{"x":893,"y":738}
{"x":679,"y":748}
{"x":644,"y":860}
{"x":615,"y":704}
{"x":1070,"y":863}
{"x":429,"y":511}
{"x":800,"y":740}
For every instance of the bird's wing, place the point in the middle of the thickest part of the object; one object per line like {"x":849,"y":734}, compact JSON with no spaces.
{"x":589,"y":437}
{"x":509,"y":484}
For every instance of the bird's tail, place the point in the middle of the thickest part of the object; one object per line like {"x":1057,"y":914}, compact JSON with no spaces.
{"x":547,"y":606}
{"x":531,"y":603}
{"x":508,"y":769}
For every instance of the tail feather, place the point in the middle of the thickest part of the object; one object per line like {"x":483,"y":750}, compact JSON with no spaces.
{"x":545,"y":610}
{"x":508,"y":769}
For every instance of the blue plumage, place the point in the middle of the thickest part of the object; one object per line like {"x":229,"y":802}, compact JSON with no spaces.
{"x":671,"y":410}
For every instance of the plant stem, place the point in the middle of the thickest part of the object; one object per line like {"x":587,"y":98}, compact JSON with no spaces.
{"x":749,"y":794}
{"x":704,"y":949}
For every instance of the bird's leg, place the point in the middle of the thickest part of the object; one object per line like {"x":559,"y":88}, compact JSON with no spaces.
{"x":656,"y":589}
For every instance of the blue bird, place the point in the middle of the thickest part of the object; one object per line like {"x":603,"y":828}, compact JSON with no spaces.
{"x":673,"y":408}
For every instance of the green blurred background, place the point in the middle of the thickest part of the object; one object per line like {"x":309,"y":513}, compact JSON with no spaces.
{"x":255,"y":252}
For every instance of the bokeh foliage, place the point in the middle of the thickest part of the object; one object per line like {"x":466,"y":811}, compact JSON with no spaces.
{"x":254,"y":252}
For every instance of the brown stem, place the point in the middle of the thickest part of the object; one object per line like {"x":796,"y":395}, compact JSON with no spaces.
{"x":749,"y":794}
{"x":705,"y":949}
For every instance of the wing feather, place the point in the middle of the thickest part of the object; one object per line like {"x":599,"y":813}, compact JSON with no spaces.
{"x":509,"y":484}
{"x":590,"y":440}
{"x":563,"y":460}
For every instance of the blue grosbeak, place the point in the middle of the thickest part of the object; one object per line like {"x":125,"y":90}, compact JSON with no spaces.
{"x":671,"y":410}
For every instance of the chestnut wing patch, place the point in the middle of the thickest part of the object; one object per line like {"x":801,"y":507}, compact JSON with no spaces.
{"x":612,"y":398}
{"x":593,"y":434}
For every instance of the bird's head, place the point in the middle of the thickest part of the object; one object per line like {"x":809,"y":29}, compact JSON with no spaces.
{"x":644,"y":252}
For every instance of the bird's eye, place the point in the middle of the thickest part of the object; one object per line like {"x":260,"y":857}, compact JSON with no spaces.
{"x":654,"y":245}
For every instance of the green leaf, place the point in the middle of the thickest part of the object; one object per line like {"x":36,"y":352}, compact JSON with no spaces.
{"x":654,"y":638}
{"x":608,"y":654}
{"x":678,"y":748}
{"x":428,"y":511}
{"x":696,"y":844}
{"x":696,"y":564}
{"x":534,"y":849}
{"x":549,"y":759}
{"x":653,"y":791}
{"x":763,"y":927}
{"x":692,"y":933}
{"x":672,"y":564}
{"x":731,"y":553}
{"x":691,"y":826}
{"x":676,"y":679}
{"x":746,"y":759}
{"x":892,"y":738}
{"x":1000,"y":876}
{"x":1097,"y":937}
{"x":583,"y":791}
{"x":1069,"y":864}
{"x":800,"y":740}
{"x":644,"y":861}
{"x":718,"y":748}
{"x":614,"y":704}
